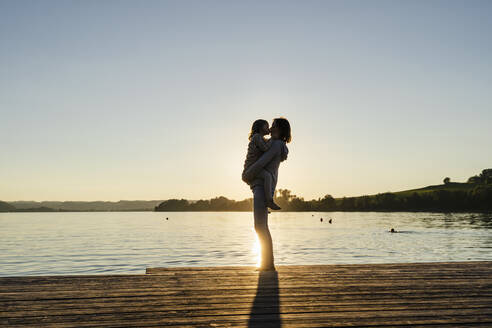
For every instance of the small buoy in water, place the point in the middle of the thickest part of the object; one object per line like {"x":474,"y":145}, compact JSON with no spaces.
{"x":321,"y":220}
{"x":392,"y":230}
{"x":167,"y":218}
{"x":329,"y":221}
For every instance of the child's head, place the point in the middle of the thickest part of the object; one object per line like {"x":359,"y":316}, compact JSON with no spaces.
{"x":259,"y":126}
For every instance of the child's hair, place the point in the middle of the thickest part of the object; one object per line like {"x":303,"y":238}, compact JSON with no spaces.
{"x":256,"y":127}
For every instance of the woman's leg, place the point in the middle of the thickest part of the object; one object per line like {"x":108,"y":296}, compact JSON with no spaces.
{"x":260,"y":212}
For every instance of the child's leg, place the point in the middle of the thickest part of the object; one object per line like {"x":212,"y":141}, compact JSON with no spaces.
{"x":267,"y":185}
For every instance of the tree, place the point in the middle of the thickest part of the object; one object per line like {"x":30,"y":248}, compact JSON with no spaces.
{"x":283,"y":198}
{"x":486,"y":176}
{"x":327,"y":203}
{"x":447,"y":180}
{"x":474,"y":179}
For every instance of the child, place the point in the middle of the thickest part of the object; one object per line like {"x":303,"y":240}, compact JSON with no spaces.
{"x":256,"y":147}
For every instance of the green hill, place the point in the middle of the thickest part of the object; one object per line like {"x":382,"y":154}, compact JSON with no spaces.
{"x":451,"y":186}
{"x":122,"y":205}
{"x":6,"y":207}
{"x":474,"y":195}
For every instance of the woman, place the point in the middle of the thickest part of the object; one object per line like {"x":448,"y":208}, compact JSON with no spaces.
{"x":270,"y":161}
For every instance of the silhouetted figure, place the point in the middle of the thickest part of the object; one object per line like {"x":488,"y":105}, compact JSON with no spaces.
{"x":167,"y":218}
{"x":329,"y":221}
{"x":269,"y":161}
{"x":321,"y":220}
{"x":265,"y":311}
{"x":392,"y":230}
{"x":256,"y":147}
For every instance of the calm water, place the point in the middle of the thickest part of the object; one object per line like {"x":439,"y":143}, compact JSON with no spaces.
{"x":94,"y":243}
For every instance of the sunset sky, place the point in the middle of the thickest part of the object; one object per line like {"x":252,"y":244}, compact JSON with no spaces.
{"x":110,"y":100}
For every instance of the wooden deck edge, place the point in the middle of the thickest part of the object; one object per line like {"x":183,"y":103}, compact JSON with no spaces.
{"x":156,"y":270}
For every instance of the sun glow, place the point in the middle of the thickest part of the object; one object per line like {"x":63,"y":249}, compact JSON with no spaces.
{"x":257,"y":249}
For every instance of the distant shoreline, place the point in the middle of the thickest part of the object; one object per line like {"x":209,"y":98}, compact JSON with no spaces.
{"x":474,"y":196}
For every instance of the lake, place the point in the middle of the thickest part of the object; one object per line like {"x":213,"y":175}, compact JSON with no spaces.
{"x":128,"y":242}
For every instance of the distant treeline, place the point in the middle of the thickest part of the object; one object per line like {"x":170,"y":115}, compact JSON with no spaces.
{"x":475,"y":195}
{"x":476,"y":199}
{"x":215,"y":204}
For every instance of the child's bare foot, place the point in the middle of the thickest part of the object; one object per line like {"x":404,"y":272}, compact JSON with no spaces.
{"x":272,"y":205}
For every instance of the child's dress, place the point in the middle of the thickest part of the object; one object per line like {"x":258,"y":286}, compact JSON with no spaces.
{"x":256,"y":147}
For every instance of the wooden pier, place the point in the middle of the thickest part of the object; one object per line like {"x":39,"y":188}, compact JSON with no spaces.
{"x":451,"y":294}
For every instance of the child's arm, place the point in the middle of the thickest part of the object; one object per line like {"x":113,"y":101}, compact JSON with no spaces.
{"x":261,"y":143}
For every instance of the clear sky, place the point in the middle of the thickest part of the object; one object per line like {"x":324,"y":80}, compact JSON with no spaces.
{"x":109,"y":100}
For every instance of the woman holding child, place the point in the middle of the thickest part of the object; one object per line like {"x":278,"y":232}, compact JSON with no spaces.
{"x":261,"y":173}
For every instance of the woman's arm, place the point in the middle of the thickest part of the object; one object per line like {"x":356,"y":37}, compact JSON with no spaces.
{"x":252,"y":171}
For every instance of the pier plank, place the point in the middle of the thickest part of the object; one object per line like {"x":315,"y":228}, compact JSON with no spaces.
{"x":445,"y":294}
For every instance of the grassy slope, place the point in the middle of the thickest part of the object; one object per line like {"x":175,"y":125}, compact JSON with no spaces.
{"x":452,"y":186}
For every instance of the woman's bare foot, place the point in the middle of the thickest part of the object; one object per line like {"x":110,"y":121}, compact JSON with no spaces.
{"x":272,"y":205}
{"x":270,"y":268}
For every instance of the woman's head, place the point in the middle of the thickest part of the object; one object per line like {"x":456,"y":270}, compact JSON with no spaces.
{"x":259,"y":126}
{"x":281,"y":129}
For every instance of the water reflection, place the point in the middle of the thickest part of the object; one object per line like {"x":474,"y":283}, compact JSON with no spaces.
{"x":257,"y":249}
{"x":457,"y":220}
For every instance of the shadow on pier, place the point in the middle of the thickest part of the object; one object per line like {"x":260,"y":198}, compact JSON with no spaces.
{"x":265,"y":311}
